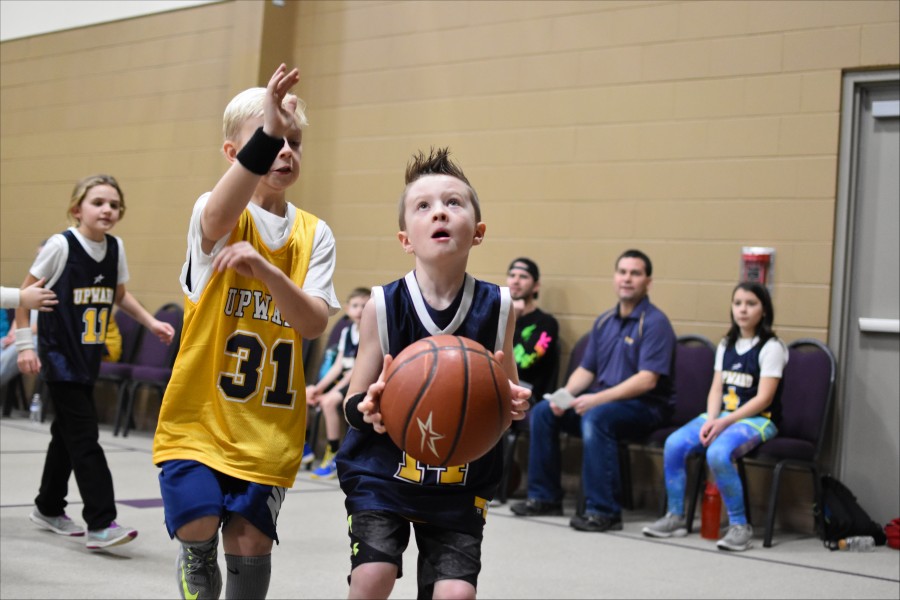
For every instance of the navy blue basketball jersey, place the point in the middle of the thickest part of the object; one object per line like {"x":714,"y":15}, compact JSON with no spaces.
{"x":350,"y":345}
{"x":71,"y":338}
{"x":740,"y":381}
{"x":375,"y":474}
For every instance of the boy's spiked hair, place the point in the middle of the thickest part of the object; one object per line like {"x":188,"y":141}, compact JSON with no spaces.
{"x":436,"y":162}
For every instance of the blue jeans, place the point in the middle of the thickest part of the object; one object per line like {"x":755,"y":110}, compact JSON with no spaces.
{"x":736,"y":440}
{"x":600,"y":428}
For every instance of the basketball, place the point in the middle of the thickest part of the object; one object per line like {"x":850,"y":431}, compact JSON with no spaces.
{"x":446,"y":400}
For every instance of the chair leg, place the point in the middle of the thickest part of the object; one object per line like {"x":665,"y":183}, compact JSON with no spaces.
{"x":509,"y":449}
{"x":132,"y":395}
{"x":129,"y":406}
{"x":314,"y":434}
{"x":15,"y":395}
{"x":742,"y":473}
{"x":625,"y":476}
{"x":773,"y":503}
{"x":699,"y":480}
{"x":120,"y":406}
{"x":580,"y":500}
{"x":818,"y":513}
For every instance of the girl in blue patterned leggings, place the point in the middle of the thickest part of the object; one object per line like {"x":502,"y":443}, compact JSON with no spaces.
{"x":743,"y":408}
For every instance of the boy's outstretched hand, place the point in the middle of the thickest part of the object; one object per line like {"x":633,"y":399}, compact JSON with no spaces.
{"x":278,"y":118}
{"x":37,"y":297}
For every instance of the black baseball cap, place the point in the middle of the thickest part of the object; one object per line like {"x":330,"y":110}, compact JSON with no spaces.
{"x":526,"y":264}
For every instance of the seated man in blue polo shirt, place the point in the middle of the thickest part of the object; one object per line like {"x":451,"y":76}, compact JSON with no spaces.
{"x":621,"y":389}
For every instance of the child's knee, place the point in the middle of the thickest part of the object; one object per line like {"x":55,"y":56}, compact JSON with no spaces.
{"x":718,"y":457}
{"x":242,"y":538}
{"x":199,"y":530}
{"x":332,"y":399}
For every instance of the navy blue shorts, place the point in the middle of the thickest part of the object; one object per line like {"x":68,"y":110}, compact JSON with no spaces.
{"x":191,"y":490}
{"x":380,"y":536}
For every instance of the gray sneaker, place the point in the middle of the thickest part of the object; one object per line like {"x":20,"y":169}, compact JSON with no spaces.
{"x":198,"y":574}
{"x":62,"y":524}
{"x":737,"y":538}
{"x":114,"y":535}
{"x":668,"y":526}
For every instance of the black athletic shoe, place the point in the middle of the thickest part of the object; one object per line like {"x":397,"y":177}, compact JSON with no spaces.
{"x":597,"y":523}
{"x":536,"y":508}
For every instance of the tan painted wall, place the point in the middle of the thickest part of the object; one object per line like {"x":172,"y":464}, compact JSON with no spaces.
{"x":140,"y":99}
{"x":687,"y":129}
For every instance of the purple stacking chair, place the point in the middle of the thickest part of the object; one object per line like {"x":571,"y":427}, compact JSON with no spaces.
{"x":695,"y":357}
{"x":151,"y":367}
{"x":119,"y":373}
{"x":807,"y":391}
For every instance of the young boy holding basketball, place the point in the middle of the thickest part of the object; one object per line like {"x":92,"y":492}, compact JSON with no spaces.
{"x":257,"y":280}
{"x":386,"y":489}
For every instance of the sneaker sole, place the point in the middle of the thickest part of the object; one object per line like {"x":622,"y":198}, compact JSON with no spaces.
{"x":616,"y":527}
{"x":45,"y":525}
{"x":116,"y":542}
{"x":733,"y":548}
{"x":664,"y":534}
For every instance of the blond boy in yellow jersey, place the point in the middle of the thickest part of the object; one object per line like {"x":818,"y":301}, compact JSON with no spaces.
{"x":257,"y":280}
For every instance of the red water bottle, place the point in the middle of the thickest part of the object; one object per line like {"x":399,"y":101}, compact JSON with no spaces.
{"x":711,"y":512}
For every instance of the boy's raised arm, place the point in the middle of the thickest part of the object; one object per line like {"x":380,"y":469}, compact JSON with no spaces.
{"x":250,"y":160}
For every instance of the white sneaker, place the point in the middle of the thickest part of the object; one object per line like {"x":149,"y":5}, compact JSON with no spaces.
{"x":62,"y":524}
{"x":737,"y":538}
{"x":114,"y":535}
{"x":668,"y":526}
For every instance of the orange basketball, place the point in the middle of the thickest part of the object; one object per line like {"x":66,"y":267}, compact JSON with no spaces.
{"x":446,"y":400}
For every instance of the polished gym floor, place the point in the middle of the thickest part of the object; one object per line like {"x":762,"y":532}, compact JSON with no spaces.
{"x":522,"y":558}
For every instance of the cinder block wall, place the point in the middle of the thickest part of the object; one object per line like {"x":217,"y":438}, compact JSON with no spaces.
{"x":140,"y":99}
{"x":686,"y":129}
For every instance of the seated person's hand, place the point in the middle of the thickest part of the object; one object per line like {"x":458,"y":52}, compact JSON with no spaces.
{"x":9,"y":338}
{"x":560,"y":401}
{"x":312,"y":398}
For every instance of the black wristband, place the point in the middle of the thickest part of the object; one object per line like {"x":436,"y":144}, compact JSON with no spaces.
{"x":260,"y":152}
{"x":352,"y":414}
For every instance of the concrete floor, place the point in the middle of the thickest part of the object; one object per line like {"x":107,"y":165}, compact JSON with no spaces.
{"x":522,"y":558}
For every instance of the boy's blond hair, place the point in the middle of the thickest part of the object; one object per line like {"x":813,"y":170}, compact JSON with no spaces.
{"x":249,"y":105}
{"x":83,"y":187}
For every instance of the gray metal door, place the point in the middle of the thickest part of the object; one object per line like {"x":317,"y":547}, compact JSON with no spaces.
{"x":867,"y":310}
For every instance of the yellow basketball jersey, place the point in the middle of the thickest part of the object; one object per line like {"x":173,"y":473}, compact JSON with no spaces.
{"x":236,"y":401}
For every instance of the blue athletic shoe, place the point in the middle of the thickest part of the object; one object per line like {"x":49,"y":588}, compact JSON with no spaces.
{"x":308,"y":455}
{"x":327,"y":469}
